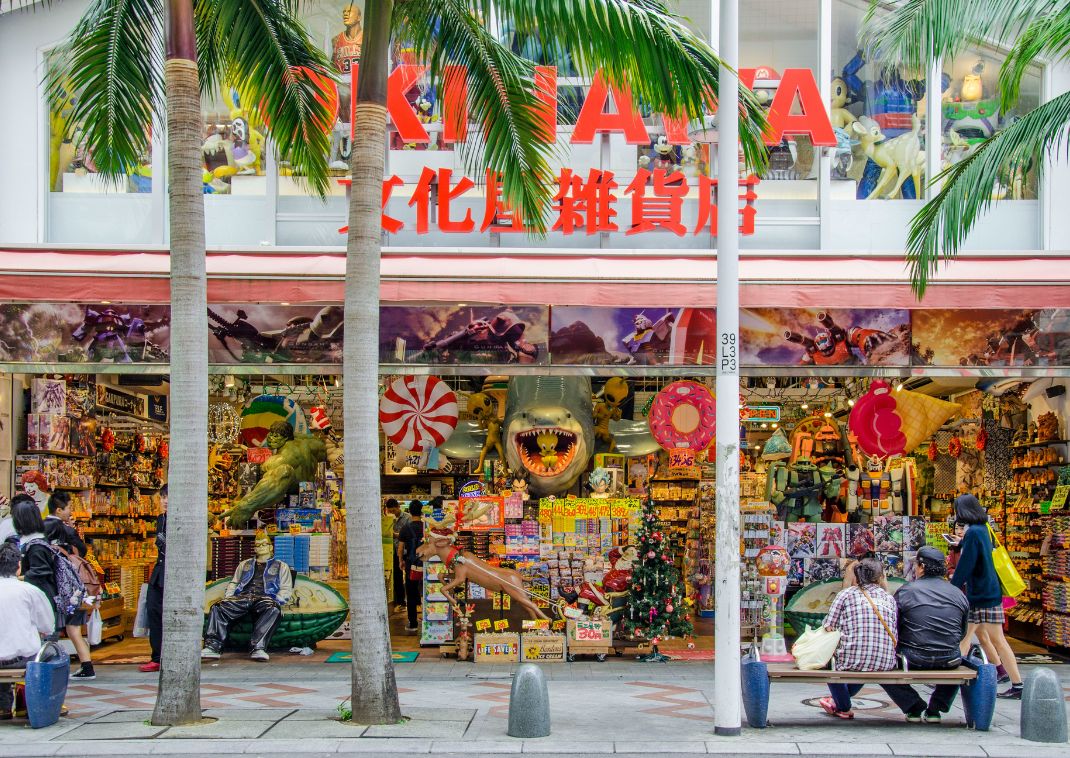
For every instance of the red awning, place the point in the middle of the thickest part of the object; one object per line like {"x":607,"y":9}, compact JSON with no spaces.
{"x":496,"y":275}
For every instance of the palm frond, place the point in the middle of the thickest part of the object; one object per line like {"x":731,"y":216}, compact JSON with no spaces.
{"x":1046,"y":37}
{"x":501,"y":97}
{"x":639,"y":45}
{"x":941,"y":227}
{"x":263,"y":50}
{"x":915,"y":32}
{"x":110,"y":73}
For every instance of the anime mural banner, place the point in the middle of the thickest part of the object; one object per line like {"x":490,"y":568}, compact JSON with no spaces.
{"x":253,"y":333}
{"x":824,"y":337}
{"x":589,"y":335}
{"x":1009,"y":337}
{"x":453,"y":334}
{"x":84,"y":333}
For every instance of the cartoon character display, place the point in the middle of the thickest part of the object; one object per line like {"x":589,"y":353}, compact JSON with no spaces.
{"x":294,"y":461}
{"x":662,"y":157}
{"x":485,"y":412}
{"x":835,"y":346}
{"x":600,"y":481}
{"x":36,"y":486}
{"x":890,"y":162}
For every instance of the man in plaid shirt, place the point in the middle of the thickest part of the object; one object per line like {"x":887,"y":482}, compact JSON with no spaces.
{"x":866,"y":617}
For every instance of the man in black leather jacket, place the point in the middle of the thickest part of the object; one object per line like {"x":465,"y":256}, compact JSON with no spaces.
{"x":932,"y":623}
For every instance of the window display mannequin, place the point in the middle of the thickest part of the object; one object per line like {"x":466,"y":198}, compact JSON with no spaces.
{"x":260,"y":587}
{"x":345,"y":46}
{"x":36,"y":486}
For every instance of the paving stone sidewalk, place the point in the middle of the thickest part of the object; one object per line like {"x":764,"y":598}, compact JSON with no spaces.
{"x":626,"y":708}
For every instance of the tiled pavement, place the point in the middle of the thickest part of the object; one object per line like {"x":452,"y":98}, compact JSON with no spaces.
{"x":619,"y":706}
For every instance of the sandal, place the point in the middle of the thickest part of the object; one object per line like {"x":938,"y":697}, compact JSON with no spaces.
{"x":829,"y":706}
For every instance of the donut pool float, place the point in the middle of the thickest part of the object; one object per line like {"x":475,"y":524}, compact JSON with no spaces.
{"x":683,"y":415}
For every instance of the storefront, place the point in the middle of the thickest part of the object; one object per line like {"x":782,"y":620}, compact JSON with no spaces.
{"x":603,"y":415}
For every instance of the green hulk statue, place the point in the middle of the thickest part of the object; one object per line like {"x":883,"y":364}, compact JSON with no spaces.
{"x":294,"y":461}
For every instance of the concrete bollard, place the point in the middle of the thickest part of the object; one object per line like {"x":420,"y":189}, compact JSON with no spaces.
{"x":1043,"y":708}
{"x":529,"y":703}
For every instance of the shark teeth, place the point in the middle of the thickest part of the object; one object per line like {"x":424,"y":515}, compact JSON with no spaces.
{"x":546,"y":451}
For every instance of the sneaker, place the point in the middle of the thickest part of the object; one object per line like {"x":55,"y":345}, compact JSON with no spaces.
{"x":914,"y":717}
{"x":210,"y":654}
{"x":1013,"y":693}
{"x":260,"y":655}
{"x":931,"y":717}
{"x":1003,"y":679}
{"x":149,"y":667}
{"x":85,"y":674}
{"x":399,"y":608}
{"x":411,"y":629}
{"x":829,"y":706}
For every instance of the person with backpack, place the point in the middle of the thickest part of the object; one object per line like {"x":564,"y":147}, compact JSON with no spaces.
{"x":62,"y":534}
{"x":154,"y":593}
{"x":48,"y":568}
{"x":409,"y":538}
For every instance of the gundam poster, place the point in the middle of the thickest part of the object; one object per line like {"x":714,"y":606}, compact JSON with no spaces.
{"x":252,"y":333}
{"x":486,"y":334}
{"x":588,"y":335}
{"x":1011,"y":337}
{"x":816,"y":337}
{"x":77,"y":333}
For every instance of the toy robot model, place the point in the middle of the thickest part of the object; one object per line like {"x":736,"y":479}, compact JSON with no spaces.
{"x":834,"y":346}
{"x":111,"y":335}
{"x":649,"y":338}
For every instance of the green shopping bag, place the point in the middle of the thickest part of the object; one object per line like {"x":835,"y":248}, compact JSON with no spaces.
{"x":1011,"y":581}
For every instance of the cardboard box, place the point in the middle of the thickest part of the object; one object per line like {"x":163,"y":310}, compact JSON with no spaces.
{"x":542,"y":647}
{"x":498,"y":648}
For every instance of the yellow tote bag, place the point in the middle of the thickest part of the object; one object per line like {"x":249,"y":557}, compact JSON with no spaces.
{"x":1009,"y":578}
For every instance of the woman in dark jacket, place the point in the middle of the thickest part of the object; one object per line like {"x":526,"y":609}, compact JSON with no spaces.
{"x":975,"y":573}
{"x":154,"y":593}
{"x":38,"y":560}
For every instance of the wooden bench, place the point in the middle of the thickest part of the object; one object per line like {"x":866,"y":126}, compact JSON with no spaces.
{"x":977,"y":682}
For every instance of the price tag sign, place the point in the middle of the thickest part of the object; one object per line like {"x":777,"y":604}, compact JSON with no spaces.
{"x":502,"y":625}
{"x":483,"y":625}
{"x":1058,"y":500}
{"x":558,"y":625}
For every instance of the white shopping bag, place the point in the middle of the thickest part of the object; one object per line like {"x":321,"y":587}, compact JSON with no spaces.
{"x":95,"y":627}
{"x":815,"y":648}
{"x":141,"y":618}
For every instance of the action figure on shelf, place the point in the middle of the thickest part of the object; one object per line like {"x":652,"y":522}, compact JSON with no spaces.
{"x":518,"y":481}
{"x":294,"y":461}
{"x":260,"y":588}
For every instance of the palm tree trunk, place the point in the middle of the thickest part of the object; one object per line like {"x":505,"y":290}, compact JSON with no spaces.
{"x":374,"y":689}
{"x":178,"y":700}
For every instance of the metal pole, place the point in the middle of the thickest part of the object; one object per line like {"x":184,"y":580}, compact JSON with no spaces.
{"x":727,"y":716}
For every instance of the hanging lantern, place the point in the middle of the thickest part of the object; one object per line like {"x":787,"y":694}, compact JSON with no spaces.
{"x":954,"y":447}
{"x":982,"y":439}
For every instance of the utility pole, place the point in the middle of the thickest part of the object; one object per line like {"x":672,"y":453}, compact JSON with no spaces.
{"x":727,"y":717}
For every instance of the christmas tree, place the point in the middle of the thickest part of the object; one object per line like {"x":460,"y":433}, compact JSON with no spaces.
{"x":656,"y":604}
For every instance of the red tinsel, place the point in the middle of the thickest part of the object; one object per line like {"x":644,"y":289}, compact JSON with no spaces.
{"x":163,"y":450}
{"x":954,"y":447}
{"x":982,"y":439}
{"x":933,"y":450}
{"x":107,"y":440}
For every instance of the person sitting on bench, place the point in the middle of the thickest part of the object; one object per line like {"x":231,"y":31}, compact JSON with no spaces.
{"x":932,"y":623}
{"x":865,"y":615}
{"x":28,"y":617}
{"x":260,"y":587}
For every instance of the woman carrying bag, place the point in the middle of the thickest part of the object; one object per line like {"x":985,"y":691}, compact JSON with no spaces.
{"x":975,"y":574}
{"x":866,"y":617}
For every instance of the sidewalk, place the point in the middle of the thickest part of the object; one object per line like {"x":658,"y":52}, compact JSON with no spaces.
{"x":619,"y":706}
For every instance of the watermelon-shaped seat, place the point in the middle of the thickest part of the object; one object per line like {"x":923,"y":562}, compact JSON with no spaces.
{"x":317,"y":610}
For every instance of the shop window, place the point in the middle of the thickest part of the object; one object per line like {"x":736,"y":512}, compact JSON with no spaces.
{"x":70,"y":161}
{"x":234,"y":150}
{"x":971,"y":113}
{"x":878,"y":115}
{"x":776,"y":36}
